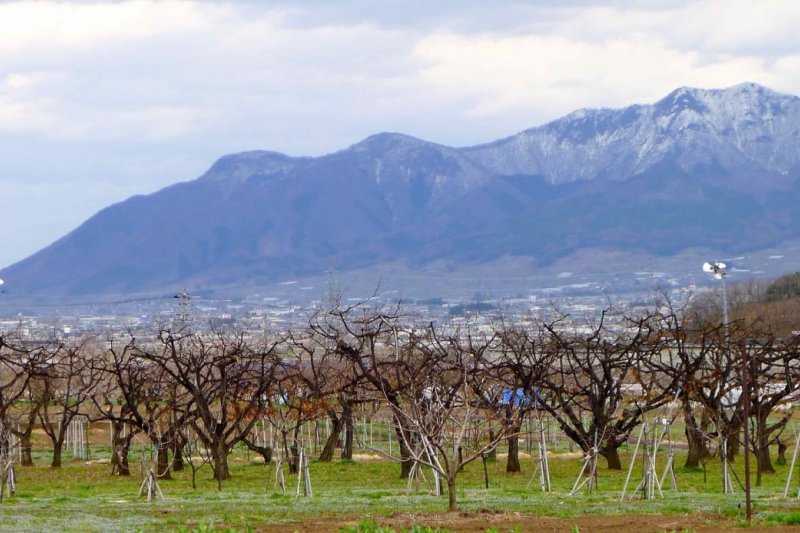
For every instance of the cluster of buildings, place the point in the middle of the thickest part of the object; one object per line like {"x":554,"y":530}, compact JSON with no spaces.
{"x":264,"y":314}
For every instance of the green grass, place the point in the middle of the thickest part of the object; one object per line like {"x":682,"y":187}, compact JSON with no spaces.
{"x":84,"y":497}
{"x":784,"y":518}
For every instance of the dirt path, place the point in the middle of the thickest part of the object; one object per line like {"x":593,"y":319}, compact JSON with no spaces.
{"x":480,"y":521}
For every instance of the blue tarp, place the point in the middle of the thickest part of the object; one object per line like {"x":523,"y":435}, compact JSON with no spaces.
{"x":519,"y":397}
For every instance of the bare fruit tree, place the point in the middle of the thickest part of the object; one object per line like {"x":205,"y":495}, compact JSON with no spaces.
{"x":593,"y":370}
{"x":334,"y":380}
{"x":360,"y":336}
{"x":68,"y":378}
{"x":439,"y":407}
{"x":227,"y":378}
{"x":18,"y":366}
{"x":773,"y":375}
{"x":689,"y":346}
{"x":137,"y":396}
{"x":523,"y":362}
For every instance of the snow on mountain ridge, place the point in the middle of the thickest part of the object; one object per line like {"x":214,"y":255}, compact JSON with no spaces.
{"x":747,"y":126}
{"x":236,"y":168}
{"x":746,"y":129}
{"x":399,"y":162}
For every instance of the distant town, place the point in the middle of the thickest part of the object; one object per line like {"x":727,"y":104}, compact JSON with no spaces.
{"x":579,"y":298}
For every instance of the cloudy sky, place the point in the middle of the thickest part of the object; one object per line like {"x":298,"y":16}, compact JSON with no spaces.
{"x":100,"y":101}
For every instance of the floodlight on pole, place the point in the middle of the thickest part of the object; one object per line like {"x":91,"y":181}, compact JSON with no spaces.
{"x":185,"y":300}
{"x":717,"y":269}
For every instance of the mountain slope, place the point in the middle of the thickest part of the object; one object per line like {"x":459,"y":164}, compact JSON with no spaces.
{"x":742,"y":130}
{"x":715,"y":168}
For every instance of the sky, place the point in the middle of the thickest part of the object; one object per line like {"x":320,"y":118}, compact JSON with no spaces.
{"x":100,"y":101}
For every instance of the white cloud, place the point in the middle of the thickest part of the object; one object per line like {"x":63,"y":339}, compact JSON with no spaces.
{"x":175,"y":69}
{"x":69,"y":26}
{"x":616,"y":53}
{"x":164,"y":70}
{"x":552,"y":75}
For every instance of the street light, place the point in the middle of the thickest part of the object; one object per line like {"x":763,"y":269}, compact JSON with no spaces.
{"x":717,"y":269}
{"x":185,"y":300}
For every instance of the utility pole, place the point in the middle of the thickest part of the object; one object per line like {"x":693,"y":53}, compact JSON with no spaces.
{"x":717,"y":269}
{"x":746,"y":414}
{"x":185,"y":300}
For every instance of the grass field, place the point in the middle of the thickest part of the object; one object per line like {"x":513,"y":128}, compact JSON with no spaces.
{"x":83,"y":496}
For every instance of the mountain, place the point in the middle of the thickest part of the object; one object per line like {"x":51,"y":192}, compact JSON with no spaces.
{"x":711,"y":168}
{"x":746,"y":128}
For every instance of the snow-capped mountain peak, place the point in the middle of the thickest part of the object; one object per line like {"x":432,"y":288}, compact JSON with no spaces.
{"x":716,"y":169}
{"x":746,"y":126}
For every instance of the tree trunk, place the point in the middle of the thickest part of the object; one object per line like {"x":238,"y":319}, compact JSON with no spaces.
{"x":220,"y":459}
{"x":763,"y":460}
{"x":57,"y":447}
{"x":782,"y":446}
{"x":761,"y":451}
{"x":492,"y":454}
{"x":120,"y":447}
{"x":264,"y":451}
{"x":294,"y":460}
{"x":177,"y":453}
{"x":734,"y":441}
{"x":123,"y":468}
{"x":330,"y":445}
{"x":25,"y":436}
{"x":116,"y":445}
{"x":697,"y":447}
{"x":162,"y":461}
{"x":57,"y":435}
{"x":611,"y":453}
{"x":512,"y":464}
{"x":405,"y":464}
{"x":27,"y":447}
{"x":285,"y":446}
{"x":347,"y":415}
{"x":406,"y":461}
{"x":451,"y":493}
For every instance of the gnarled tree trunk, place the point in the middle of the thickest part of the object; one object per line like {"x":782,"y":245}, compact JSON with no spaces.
{"x":162,"y":460}
{"x":27,"y":447}
{"x":347,"y":415}
{"x":782,"y":447}
{"x":219,"y":459}
{"x":177,"y":451}
{"x":512,"y":464}
{"x":330,"y":445}
{"x":119,"y":449}
{"x":611,"y":453}
{"x":697,"y":445}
